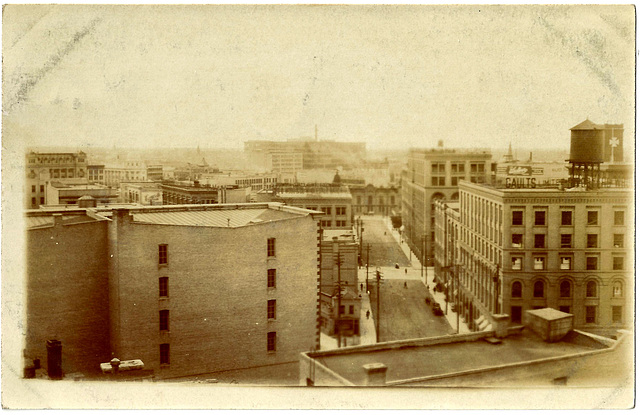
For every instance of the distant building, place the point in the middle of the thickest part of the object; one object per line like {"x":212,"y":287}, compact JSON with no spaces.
{"x":59,"y":193}
{"x":315,"y":154}
{"x":183,"y":194}
{"x":144,"y":193}
{"x":96,"y":173}
{"x":256,"y":182}
{"x":340,"y":308}
{"x":432,"y":175}
{"x":376,"y":200}
{"x":187,"y":290}
{"x":42,"y":168}
{"x":334,"y":200}
{"x":130,"y":171}
{"x":155,"y":172}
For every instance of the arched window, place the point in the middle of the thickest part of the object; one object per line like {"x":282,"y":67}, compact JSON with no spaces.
{"x":565,"y":289}
{"x":592,"y":289}
{"x":617,"y":289}
{"x":516,"y":289}
{"x":538,"y":289}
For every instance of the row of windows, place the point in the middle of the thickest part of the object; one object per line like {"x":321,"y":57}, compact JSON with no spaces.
{"x":566,"y":240}
{"x":392,"y":200}
{"x":566,"y":218}
{"x":327,"y":223}
{"x":565,"y":289}
{"x":34,"y":201}
{"x":33,"y":188}
{"x":566,"y":262}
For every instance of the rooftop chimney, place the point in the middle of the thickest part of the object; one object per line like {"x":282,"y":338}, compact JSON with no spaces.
{"x":376,"y":374}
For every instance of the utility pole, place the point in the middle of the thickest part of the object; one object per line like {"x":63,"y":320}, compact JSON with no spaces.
{"x":338,"y":259}
{"x":378,"y":279}
{"x":457,"y":270}
{"x":368,"y":247}
{"x":496,"y":280}
{"x":422,"y":262}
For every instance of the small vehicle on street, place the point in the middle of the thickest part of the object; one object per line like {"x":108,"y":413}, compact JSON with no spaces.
{"x":435,"y":308}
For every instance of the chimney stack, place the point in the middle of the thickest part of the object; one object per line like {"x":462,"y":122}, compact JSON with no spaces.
{"x":376,"y":374}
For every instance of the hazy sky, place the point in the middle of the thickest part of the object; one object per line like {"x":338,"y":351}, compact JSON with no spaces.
{"x":177,"y":76}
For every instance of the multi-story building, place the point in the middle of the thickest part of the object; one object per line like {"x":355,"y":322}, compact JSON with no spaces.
{"x":187,"y":290}
{"x":374,"y":200}
{"x":334,"y":200}
{"x":315,"y":154}
{"x":257,"y":182}
{"x":42,"y":168}
{"x":155,"y":172}
{"x":68,"y":194}
{"x":143,"y":193}
{"x":129,"y":171}
{"x":434,"y":174}
{"x":95,"y":173}
{"x":522,"y":249}
{"x":340,"y":296}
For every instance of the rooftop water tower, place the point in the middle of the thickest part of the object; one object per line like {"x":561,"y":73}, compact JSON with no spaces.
{"x":586,"y":155}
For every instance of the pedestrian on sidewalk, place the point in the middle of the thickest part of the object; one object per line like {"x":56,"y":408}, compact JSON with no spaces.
{"x":361,"y":287}
{"x":368,"y":314}
{"x":405,"y":273}
{"x":405,"y":284}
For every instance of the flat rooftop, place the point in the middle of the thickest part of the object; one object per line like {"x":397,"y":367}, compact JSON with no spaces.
{"x":406,"y":361}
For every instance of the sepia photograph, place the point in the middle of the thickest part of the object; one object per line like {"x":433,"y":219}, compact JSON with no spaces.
{"x":318,"y":206}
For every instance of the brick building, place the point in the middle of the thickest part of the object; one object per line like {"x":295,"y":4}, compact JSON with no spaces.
{"x":188,"y":290}
{"x":522,"y":249}
{"x":377,"y":200}
{"x":334,"y":200}
{"x":42,"y":168}
{"x":434,"y":174}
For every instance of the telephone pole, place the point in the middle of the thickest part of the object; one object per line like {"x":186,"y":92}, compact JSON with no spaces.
{"x":378,"y":278}
{"x":367,"y":280}
{"x":339,"y":260}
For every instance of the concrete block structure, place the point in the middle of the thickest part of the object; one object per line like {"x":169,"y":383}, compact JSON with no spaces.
{"x":186,"y":289}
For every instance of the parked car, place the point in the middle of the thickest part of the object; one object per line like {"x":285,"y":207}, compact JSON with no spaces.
{"x":435,"y":308}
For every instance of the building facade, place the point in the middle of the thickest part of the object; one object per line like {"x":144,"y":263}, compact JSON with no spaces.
{"x":41,"y":168}
{"x":333,"y":200}
{"x":144,"y":193}
{"x":191,"y":290}
{"x":523,"y":249}
{"x":434,"y":174}
{"x":95,"y":173}
{"x":372,"y":200}
{"x":130,"y":171}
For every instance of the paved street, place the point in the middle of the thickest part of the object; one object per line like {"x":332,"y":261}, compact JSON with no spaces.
{"x":385,"y":251}
{"x":404,"y":313}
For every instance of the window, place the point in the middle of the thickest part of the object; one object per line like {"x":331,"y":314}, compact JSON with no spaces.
{"x":567,"y":218}
{"x":326,"y":210}
{"x":516,"y":263}
{"x":516,"y":289}
{"x":590,"y":314}
{"x":163,"y":283}
{"x":271,"y":247}
{"x":437,"y":181}
{"x":565,"y":262}
{"x":164,"y":354}
{"x":592,"y":217}
{"x":540,"y":218}
{"x":341,"y":210}
{"x":592,"y":263}
{"x":350,"y":309}
{"x":271,"y":278}
{"x":565,"y":289}
{"x":592,"y":240}
{"x":538,"y":263}
{"x":271,"y":309}
{"x":565,"y":309}
{"x":164,"y":320}
{"x":618,"y":217}
{"x":617,"y":289}
{"x":618,"y":240}
{"x":271,"y":341}
{"x":538,"y":240}
{"x":538,"y":289}
{"x":42,"y":200}
{"x":341,"y":223}
{"x":162,"y":254}
{"x":516,"y":314}
{"x":316,"y":207}
{"x":41,"y":188}
{"x":33,"y":200}
{"x":516,"y":217}
{"x":393,"y":200}
{"x":33,"y":188}
{"x":341,"y":310}
{"x":616,"y":314}
{"x":325,"y":223}
{"x":618,"y":263}
{"x":592,"y":289}
{"x":565,"y":240}
{"x":516,"y":240}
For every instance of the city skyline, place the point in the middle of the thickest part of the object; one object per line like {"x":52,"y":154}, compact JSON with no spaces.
{"x":391,"y":76}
